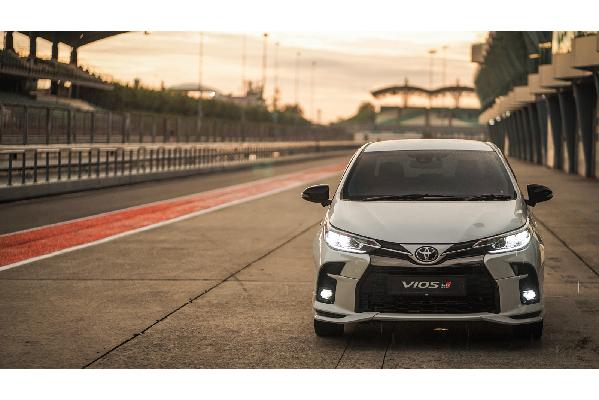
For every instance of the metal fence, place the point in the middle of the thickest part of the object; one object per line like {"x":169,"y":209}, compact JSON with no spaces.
{"x":28,"y":166}
{"x":23,"y":124}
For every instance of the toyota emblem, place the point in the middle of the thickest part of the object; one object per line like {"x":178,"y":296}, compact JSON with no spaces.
{"x":426,"y":254}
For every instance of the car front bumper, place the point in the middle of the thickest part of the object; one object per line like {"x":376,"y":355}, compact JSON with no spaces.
{"x":510,"y":309}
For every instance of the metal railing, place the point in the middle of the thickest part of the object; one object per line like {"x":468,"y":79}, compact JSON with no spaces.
{"x":32,"y":165}
{"x":32,"y":124}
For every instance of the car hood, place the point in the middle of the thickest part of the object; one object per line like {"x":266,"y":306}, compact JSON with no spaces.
{"x":427,"y":222}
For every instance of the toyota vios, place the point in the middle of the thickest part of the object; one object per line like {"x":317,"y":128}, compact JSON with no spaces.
{"x":428,"y":230}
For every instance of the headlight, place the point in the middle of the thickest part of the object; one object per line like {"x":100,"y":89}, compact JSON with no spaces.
{"x":508,"y":242}
{"x":346,"y":241}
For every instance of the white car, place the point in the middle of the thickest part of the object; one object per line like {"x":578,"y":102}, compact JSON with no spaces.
{"x":428,"y":230}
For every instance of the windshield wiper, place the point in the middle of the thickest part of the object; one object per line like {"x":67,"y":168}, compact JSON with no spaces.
{"x":490,"y":196}
{"x":411,"y":196}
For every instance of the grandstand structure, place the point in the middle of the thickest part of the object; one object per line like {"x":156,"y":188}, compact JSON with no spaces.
{"x":57,"y":114}
{"x":435,"y":112}
{"x":21,"y":74}
{"x":539,"y":95}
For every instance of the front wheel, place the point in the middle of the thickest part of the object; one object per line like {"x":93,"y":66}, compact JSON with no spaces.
{"x":327,"y":329}
{"x":532,"y":331}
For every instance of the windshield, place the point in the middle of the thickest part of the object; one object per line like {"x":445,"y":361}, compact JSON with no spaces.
{"x":428,"y":174}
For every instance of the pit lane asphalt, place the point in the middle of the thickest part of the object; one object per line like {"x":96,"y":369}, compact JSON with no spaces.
{"x":232,"y":289}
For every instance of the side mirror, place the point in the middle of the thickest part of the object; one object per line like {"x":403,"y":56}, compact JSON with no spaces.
{"x":538,"y":194}
{"x":317,"y":194}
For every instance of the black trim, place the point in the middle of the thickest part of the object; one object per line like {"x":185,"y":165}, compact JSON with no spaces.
{"x":329,"y":314}
{"x":526,"y":316}
{"x":326,"y":282}
{"x":455,"y":251}
{"x":531,"y":281}
{"x":482,"y":291}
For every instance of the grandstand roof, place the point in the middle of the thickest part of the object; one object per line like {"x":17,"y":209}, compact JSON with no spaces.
{"x":74,"y":38}
{"x":391,"y":90}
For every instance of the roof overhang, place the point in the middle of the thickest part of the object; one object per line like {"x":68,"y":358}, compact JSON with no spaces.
{"x":548,"y":79}
{"x":534,"y":85}
{"x":564,"y":67}
{"x":74,"y":38}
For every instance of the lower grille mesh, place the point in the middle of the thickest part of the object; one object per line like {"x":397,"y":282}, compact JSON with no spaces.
{"x":482,"y":294}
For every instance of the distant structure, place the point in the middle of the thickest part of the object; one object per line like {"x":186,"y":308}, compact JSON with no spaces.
{"x":427,"y":112}
{"x":252,"y":96}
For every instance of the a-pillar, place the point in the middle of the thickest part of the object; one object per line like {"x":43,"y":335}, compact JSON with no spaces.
{"x":568,"y":113}
{"x":586,"y":101}
{"x":542,"y":118}
{"x":54,"y":57}
{"x":9,"y":41}
{"x":555,"y":117}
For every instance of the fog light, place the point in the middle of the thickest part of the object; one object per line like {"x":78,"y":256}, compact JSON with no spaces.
{"x":529,"y":295}
{"x":326,"y":294}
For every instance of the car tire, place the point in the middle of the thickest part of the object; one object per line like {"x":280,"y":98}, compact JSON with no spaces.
{"x":532,"y":331}
{"x":327,"y":329}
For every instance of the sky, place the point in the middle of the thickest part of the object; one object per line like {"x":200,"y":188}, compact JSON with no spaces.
{"x":348,"y":65}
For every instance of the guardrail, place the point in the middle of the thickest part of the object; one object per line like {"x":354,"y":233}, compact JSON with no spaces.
{"x":26,"y":124}
{"x":26,"y":165}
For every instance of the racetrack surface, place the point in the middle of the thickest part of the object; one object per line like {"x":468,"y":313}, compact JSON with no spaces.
{"x":231,"y":288}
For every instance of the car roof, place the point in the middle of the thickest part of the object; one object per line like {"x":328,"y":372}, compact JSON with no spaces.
{"x":428,"y":144}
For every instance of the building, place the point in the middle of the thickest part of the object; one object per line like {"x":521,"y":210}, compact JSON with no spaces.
{"x":538,"y":93}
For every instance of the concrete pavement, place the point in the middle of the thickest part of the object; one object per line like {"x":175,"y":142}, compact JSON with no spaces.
{"x":232,"y":288}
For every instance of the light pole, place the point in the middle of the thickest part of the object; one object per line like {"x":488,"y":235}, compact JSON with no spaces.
{"x":264,"y":50}
{"x":296,"y":89}
{"x":243,"y":57}
{"x":430,"y":81}
{"x":313,"y":65}
{"x":275,"y":92}
{"x":430,"y":68}
{"x":200,"y":77}
{"x":444,"y":48}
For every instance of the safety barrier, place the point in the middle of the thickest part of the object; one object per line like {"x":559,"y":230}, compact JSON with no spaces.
{"x":27,"y":165}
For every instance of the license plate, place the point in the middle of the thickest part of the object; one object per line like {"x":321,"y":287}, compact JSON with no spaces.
{"x":427,"y":285}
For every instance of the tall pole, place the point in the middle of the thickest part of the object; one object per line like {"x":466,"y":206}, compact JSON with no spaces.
{"x":296,"y":83}
{"x":243,"y":57}
{"x":200,"y":77}
{"x":264,"y":50}
{"x":313,"y":65}
{"x":430,"y":68}
{"x":430,"y":80}
{"x":444,"y":64}
{"x":275,"y":92}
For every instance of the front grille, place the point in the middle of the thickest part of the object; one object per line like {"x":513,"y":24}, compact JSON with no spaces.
{"x":482,"y":293}
{"x":455,"y":251}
